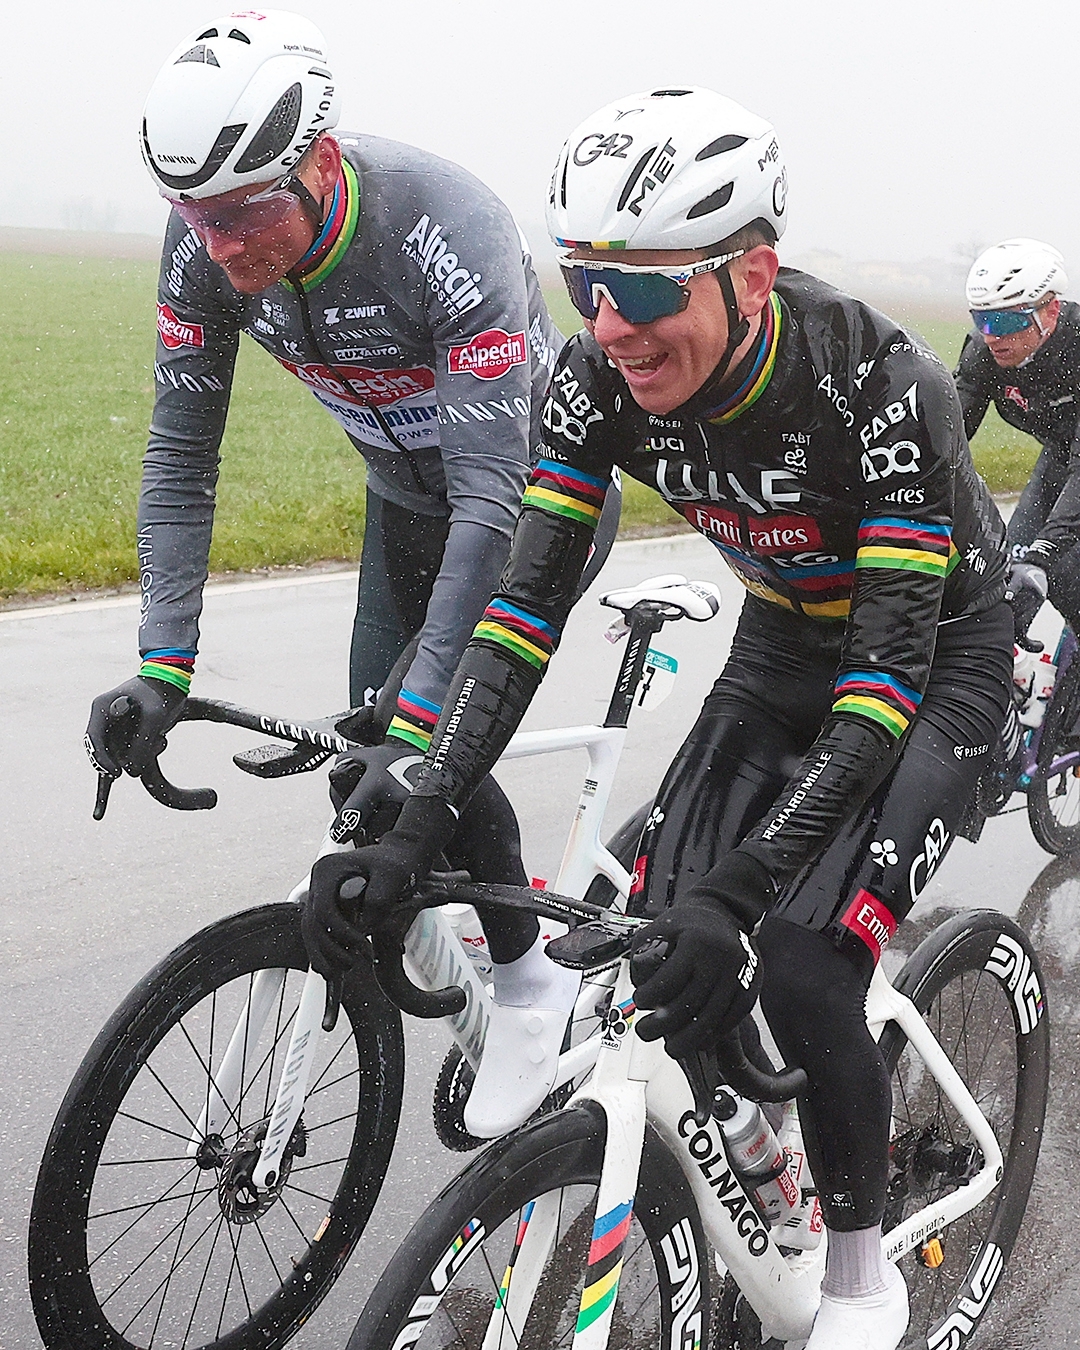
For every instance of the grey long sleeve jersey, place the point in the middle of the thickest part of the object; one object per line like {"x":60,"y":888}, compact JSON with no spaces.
{"x":425,"y":306}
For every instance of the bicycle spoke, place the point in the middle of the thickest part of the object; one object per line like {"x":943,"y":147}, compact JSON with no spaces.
{"x":202,"y":1285}
{"x":323,"y":1199}
{"x":150,"y":1125}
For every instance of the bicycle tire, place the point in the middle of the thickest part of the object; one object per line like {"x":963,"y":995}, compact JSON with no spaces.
{"x":102,"y":1274}
{"x":1054,"y":803}
{"x":977,"y":981}
{"x":441,"y":1286}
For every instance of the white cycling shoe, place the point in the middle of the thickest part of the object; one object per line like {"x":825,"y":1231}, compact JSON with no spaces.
{"x":533,"y":1001}
{"x":517,"y":1071}
{"x":870,"y":1322}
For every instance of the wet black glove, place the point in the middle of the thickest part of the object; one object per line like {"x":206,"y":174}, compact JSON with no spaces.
{"x":334,"y":924}
{"x":708,"y":980}
{"x":128,"y":725}
{"x":1027,"y":589}
{"x":369,"y":785}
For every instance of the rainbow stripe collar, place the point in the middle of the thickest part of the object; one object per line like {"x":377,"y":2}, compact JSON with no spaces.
{"x":336,"y":234}
{"x":761,"y":369}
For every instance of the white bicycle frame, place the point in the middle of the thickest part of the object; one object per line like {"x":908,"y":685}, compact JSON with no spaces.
{"x":435,"y":956}
{"x":635,"y":1082}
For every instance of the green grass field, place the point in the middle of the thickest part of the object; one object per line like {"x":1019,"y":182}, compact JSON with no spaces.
{"x":76,"y":342}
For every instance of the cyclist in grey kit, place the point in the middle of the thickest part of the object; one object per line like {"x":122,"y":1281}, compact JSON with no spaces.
{"x":399,"y":289}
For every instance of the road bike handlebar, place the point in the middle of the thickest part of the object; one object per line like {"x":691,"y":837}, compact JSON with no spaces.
{"x":607,"y":938}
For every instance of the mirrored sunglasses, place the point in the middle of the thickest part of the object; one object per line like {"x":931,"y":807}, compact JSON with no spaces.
{"x":1002,"y":322}
{"x":639,"y":294}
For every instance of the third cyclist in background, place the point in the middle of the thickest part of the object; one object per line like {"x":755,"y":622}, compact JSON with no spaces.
{"x":1024,"y":356}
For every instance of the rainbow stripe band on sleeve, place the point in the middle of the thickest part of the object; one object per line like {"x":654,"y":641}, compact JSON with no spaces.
{"x":518,"y":631}
{"x":887,"y":541}
{"x":565,"y":492}
{"x":173,"y":665}
{"x":414,"y":720}
{"x":882,"y":698}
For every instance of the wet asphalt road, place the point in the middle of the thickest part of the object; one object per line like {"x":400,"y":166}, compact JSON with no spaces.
{"x":90,"y":907}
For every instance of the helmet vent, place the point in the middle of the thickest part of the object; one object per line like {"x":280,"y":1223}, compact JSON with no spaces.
{"x":670,"y":93}
{"x":635,"y":174}
{"x":210,"y":32}
{"x":200,"y":53}
{"x":240,"y":37}
{"x":322,"y":74}
{"x":275,"y":133}
{"x":721,"y":146}
{"x":713,"y":202}
{"x":562,"y":186}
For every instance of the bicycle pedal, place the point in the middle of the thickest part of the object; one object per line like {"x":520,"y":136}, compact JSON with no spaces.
{"x":279,"y":761}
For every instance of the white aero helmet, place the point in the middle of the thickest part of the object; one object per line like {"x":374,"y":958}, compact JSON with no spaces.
{"x":1015,"y":272}
{"x":238,"y":102}
{"x":667,"y":168}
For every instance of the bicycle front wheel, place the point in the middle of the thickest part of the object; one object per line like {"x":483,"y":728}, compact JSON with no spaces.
{"x":1054,"y":798}
{"x":513,"y":1256}
{"x":143,"y":1230}
{"x":977,"y":982}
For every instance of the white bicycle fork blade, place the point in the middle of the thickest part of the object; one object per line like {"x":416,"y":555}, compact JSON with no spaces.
{"x":292,"y":1089}
{"x":537,"y":1230}
{"x":223,"y":1096}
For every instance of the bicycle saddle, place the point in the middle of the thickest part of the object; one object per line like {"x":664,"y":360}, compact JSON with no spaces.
{"x":698,"y":600}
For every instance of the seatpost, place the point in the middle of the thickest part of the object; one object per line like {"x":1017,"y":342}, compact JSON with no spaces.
{"x":646,"y":618}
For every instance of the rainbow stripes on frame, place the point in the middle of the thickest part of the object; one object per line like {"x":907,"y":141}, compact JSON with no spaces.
{"x":882,"y":698}
{"x":414,"y":720}
{"x":609,"y":1236}
{"x":518,"y":631}
{"x":889,"y":541}
{"x":173,"y":665}
{"x":565,"y":492}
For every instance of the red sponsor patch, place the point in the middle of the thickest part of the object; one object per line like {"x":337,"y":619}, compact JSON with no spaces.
{"x":174,"y":332}
{"x":358,"y":384}
{"x":637,"y":885}
{"x":869,"y":918}
{"x":768,"y":534}
{"x":1012,"y":392}
{"x":489,"y":355}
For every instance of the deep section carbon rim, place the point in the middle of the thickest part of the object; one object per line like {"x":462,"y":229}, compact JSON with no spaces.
{"x":977,"y":983}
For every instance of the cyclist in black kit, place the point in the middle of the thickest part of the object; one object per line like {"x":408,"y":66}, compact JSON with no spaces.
{"x":820,"y":447}
{"x":400,"y":291}
{"x":1024,"y":357}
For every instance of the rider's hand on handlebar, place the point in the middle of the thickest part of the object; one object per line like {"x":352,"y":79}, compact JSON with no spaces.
{"x":369,"y":785}
{"x":334,"y":925}
{"x":708,"y":980}
{"x":128,"y":725}
{"x":1027,"y":589}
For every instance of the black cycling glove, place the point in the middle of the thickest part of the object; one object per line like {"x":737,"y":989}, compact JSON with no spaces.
{"x":333,"y":924}
{"x":128,"y":725}
{"x":369,"y":785}
{"x":1027,"y":589}
{"x":707,"y":981}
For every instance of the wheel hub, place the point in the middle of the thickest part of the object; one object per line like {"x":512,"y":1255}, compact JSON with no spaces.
{"x":239,"y":1198}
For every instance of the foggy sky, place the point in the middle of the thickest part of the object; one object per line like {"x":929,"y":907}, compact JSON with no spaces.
{"x":921,"y":128}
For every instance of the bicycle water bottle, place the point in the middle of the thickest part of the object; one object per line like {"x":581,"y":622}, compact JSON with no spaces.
{"x":756,"y":1155}
{"x":804,"y":1226}
{"x":1023,"y":677}
{"x":470,"y":933}
{"x":1043,"y":679}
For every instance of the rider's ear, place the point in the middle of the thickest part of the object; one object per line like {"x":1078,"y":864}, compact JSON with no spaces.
{"x":325,"y":161}
{"x":754,"y":274}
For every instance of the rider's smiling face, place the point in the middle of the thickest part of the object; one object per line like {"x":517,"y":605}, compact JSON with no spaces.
{"x":667,"y":361}
{"x":255,"y":260}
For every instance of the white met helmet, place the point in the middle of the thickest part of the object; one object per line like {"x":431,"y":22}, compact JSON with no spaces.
{"x":668,"y":168}
{"x":237,"y":102}
{"x":1015,"y":272}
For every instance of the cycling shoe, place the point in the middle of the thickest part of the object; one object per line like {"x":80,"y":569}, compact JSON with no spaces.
{"x":870,"y":1322}
{"x":517,"y":1070}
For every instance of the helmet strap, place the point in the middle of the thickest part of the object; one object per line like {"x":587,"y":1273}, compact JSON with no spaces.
{"x":310,"y":207}
{"x":738,"y":328}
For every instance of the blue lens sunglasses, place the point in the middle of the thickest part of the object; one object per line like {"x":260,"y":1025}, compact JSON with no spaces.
{"x":1002,"y":322}
{"x":639,"y":294}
